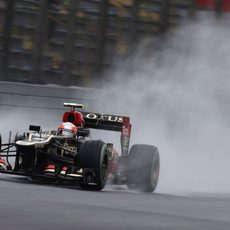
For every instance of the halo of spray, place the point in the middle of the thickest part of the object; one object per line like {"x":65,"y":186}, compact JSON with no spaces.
{"x":176,"y":92}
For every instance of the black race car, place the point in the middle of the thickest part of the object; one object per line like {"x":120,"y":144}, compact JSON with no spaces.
{"x":56,"y":156}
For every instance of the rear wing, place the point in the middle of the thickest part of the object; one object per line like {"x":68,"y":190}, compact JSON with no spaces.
{"x":100,"y":121}
{"x":103,"y":121}
{"x":112,"y":123}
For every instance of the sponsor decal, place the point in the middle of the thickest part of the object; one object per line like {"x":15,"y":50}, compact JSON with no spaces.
{"x":104,"y":117}
{"x":125,"y":138}
{"x":72,"y":148}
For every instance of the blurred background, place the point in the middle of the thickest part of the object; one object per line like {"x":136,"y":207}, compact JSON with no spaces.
{"x":75,"y":42}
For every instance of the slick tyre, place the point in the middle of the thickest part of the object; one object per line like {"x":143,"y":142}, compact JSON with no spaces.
{"x":93,"y":155}
{"x":143,"y":168}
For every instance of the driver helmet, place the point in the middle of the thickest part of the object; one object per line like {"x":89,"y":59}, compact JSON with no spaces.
{"x":67,"y":129}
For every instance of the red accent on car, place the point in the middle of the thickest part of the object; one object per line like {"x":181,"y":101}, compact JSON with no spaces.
{"x":64,"y":168}
{"x":126,"y":127}
{"x":74,"y":117}
{"x":50,"y":167}
{"x":74,"y":129}
{"x":125,"y":135}
{"x":61,"y":126}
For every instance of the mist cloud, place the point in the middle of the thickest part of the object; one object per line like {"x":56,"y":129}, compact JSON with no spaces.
{"x":176,"y":90}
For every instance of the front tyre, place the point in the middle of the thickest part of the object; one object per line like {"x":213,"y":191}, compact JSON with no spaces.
{"x":143,"y":168}
{"x":93,"y":155}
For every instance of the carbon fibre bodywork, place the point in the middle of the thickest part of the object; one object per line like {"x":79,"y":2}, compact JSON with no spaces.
{"x":91,"y":163}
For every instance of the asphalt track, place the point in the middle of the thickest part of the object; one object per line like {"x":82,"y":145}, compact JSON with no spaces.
{"x":33,"y":206}
{"x":26,"y":205}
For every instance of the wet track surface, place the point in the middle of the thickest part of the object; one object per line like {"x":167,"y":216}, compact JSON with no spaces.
{"x":29,"y":205}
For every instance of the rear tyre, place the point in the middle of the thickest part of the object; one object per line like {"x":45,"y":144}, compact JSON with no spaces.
{"x":93,"y":155}
{"x":143,"y":168}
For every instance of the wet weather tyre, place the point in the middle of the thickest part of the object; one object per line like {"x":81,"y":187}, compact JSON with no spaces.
{"x":143,"y":168}
{"x":93,"y":155}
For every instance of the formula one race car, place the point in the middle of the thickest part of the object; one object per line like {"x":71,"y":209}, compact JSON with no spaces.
{"x":69,"y":154}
